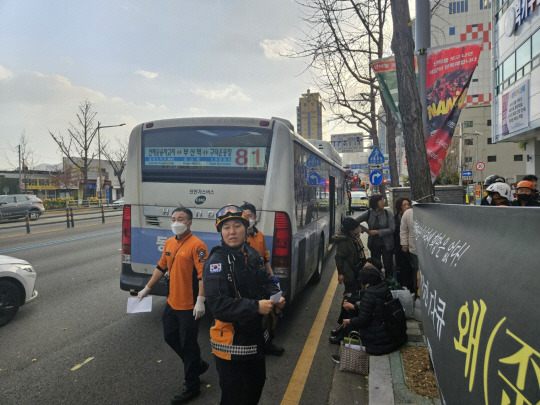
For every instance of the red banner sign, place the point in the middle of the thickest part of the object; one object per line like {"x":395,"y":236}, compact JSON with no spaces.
{"x":449,"y":71}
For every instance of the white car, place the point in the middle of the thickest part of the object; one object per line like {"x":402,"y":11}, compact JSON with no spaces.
{"x":118,"y":203}
{"x":360,"y":200}
{"x":17,"y":279}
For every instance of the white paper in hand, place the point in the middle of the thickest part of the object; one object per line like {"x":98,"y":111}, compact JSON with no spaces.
{"x":134,"y":305}
{"x":276,"y":297}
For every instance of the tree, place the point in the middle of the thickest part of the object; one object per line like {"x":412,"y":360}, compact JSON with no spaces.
{"x":344,"y":37}
{"x":117,"y":159}
{"x":26,"y":159}
{"x":410,"y":107}
{"x":77,"y":143}
{"x":67,"y":178}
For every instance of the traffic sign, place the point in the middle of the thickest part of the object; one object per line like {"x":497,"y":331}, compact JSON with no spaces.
{"x":314,"y":178}
{"x":375,"y":167}
{"x":466,"y":175}
{"x":480,"y":166}
{"x":375,"y":177}
{"x":376,"y":156}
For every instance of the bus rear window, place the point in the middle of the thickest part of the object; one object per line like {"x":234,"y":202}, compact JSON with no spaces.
{"x":236,"y":155}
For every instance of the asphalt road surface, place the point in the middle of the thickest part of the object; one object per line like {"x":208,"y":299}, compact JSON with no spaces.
{"x":76,"y":344}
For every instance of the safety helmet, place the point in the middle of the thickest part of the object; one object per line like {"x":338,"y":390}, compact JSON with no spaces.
{"x":525,"y":184}
{"x":494,"y":178}
{"x":230,"y":212}
{"x":502,"y":188}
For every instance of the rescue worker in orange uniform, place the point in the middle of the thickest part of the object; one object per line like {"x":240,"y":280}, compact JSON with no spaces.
{"x":255,"y":239}
{"x":183,"y":257}
{"x":238,"y":290}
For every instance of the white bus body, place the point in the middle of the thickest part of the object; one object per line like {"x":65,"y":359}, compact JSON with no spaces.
{"x":206,"y":163}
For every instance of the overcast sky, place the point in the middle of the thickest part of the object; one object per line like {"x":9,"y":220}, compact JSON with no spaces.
{"x":141,"y":60}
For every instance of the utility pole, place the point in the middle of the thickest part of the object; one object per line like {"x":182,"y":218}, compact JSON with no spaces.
{"x":422,"y":42}
{"x":20,"y":182}
{"x":99,"y":126}
{"x":460,"y":171}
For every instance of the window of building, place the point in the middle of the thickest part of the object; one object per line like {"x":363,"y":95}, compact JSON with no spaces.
{"x":488,"y":123}
{"x":492,"y":158}
{"x":468,"y":124}
{"x":509,"y":67}
{"x":469,"y":142}
{"x":484,"y":4}
{"x":468,"y":159}
{"x":461,"y":6}
{"x":490,"y":141}
{"x":475,"y":80}
{"x":536,"y":43}
{"x":518,"y":158}
{"x":452,"y":30}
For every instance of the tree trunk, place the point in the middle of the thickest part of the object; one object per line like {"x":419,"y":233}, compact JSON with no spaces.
{"x":391,"y":142}
{"x":409,"y":104}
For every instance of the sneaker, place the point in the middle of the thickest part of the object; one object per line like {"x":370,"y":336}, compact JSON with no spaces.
{"x":336,"y":358}
{"x":204,"y":366}
{"x":273,"y":349}
{"x":185,"y":396}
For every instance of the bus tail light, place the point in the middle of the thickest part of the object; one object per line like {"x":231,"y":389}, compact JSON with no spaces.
{"x":126,"y":235}
{"x":281,"y":256}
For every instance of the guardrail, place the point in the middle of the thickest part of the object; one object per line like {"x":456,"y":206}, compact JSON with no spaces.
{"x":87,"y":203}
{"x":69,"y":216}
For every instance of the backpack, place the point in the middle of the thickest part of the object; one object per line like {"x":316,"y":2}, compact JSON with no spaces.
{"x":395,"y":322}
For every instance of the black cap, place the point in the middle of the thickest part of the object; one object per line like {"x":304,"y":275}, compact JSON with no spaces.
{"x":349,"y":224}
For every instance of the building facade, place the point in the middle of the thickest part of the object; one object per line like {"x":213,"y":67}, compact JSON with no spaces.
{"x":460,"y":21}
{"x":516,"y":78}
{"x":310,"y":116}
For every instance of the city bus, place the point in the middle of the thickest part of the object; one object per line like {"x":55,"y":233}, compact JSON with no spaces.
{"x":206,"y":163}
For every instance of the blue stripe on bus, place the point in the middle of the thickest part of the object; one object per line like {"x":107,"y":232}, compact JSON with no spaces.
{"x":55,"y":242}
{"x":147,"y":244}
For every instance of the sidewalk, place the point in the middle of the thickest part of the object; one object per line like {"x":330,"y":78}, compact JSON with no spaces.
{"x":385,"y":384}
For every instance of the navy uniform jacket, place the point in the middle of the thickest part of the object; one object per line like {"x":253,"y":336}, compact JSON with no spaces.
{"x":234,"y":282}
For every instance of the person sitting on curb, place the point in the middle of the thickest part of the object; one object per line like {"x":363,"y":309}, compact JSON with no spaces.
{"x":377,"y":337}
{"x":349,"y":305}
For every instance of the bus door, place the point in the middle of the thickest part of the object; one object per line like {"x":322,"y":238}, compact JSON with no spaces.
{"x":332,"y":204}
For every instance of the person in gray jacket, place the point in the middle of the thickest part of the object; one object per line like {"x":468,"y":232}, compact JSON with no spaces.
{"x":381,"y":232}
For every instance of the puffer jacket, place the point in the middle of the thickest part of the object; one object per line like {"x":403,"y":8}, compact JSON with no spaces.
{"x":346,"y":258}
{"x":234,"y":282}
{"x":370,"y":322}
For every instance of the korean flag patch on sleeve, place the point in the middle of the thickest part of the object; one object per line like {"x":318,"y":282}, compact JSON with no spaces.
{"x":215,"y":268}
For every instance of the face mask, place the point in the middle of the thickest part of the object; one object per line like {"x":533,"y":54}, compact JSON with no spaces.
{"x":252,"y":222}
{"x":524,"y":197}
{"x":178,"y":228}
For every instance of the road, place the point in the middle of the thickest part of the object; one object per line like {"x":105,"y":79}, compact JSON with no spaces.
{"x":79,"y":318}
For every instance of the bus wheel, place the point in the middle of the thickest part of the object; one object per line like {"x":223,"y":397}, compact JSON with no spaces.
{"x":318,"y":271}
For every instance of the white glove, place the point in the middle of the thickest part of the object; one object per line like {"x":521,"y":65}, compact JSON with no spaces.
{"x":199,"y":311}
{"x":143,"y":293}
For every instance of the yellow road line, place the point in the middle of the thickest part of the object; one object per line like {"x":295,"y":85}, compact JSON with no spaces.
{"x":298,"y":380}
{"x":55,"y":230}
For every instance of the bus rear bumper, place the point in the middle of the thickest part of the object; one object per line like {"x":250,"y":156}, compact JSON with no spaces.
{"x":135,"y":282}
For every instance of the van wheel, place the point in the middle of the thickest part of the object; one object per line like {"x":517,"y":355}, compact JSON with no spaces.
{"x":320,"y":257}
{"x":10,"y":298}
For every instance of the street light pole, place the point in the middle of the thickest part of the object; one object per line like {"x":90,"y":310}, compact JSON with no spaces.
{"x":99,"y":126}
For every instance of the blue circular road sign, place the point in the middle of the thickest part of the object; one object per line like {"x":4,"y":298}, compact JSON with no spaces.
{"x":375,"y":177}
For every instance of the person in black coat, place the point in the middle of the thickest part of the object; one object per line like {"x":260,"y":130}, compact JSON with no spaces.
{"x":377,"y":335}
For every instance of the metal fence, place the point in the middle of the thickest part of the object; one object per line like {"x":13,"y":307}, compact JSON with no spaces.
{"x":69,"y":216}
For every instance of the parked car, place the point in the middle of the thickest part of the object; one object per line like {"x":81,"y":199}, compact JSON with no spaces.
{"x":360,"y":200}
{"x":17,"y":279}
{"x":118,"y":203}
{"x":15,"y":206}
